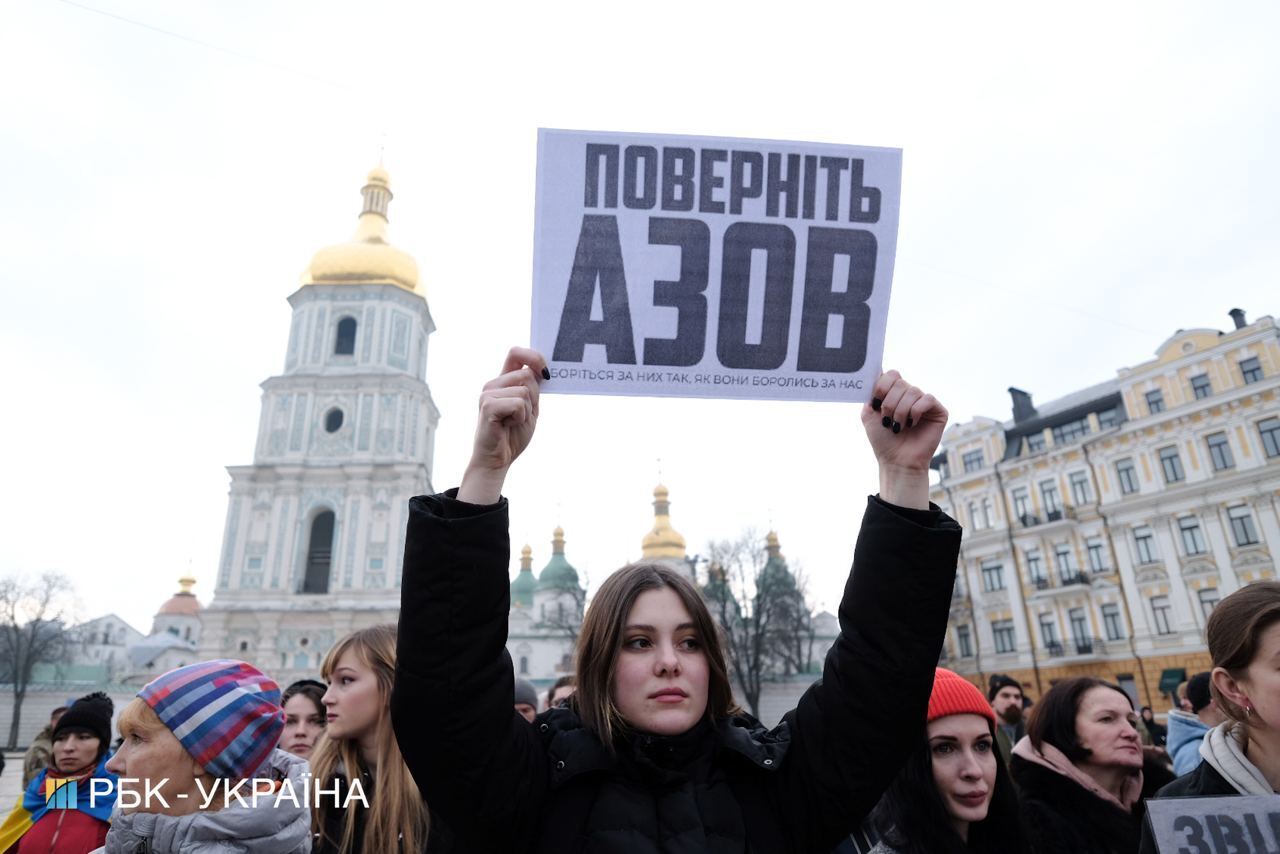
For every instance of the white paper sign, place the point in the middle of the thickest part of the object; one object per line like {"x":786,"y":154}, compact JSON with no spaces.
{"x":707,"y":267}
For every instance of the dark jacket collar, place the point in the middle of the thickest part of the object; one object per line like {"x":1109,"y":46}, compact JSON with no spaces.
{"x":1203,"y":782}
{"x":574,"y":750}
{"x":1055,"y":804}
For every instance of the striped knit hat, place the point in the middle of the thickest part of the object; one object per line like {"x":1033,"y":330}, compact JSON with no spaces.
{"x":955,"y":695}
{"x":225,"y":713}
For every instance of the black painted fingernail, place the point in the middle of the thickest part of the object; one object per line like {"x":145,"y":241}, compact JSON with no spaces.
{"x":908,"y":420}
{"x":897,"y":428}
{"x":887,"y":421}
{"x":546,"y":374}
{"x":875,"y":403}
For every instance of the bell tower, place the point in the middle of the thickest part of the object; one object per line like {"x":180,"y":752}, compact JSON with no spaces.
{"x":314,"y":536}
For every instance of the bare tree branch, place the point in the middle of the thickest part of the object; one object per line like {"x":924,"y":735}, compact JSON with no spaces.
{"x":763,"y":612}
{"x":33,"y":630}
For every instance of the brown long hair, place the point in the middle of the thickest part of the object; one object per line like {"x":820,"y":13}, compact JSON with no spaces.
{"x":398,"y":817}
{"x":601,"y":639}
{"x":1234,"y":631}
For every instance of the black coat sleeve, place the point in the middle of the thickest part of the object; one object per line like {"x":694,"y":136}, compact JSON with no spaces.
{"x":853,"y":730}
{"x":478,"y":763}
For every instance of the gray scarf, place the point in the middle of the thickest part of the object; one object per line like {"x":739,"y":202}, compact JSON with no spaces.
{"x":1221,"y":749}
{"x":266,"y":829}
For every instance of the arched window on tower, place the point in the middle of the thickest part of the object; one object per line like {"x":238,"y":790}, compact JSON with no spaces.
{"x":319,"y":553}
{"x":345,"y":344}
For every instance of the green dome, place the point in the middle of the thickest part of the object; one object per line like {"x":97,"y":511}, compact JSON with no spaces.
{"x":558,"y":574}
{"x":522,"y":589}
{"x":775,"y":568}
{"x":524,"y":585}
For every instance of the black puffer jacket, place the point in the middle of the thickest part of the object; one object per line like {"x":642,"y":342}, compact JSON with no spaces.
{"x":503,"y":785}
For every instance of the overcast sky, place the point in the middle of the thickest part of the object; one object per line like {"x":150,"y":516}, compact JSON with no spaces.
{"x":1076,"y":187}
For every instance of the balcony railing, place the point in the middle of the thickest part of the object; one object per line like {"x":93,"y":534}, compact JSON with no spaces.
{"x":1028,"y":520}
{"x":1053,"y":515}
{"x":1088,"y":646}
{"x":1074,"y":646}
{"x":1065,"y":579}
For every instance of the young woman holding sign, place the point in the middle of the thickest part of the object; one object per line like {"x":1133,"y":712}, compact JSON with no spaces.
{"x":651,"y":754}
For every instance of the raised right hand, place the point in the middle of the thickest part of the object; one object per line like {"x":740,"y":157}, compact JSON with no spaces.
{"x":904,"y":426}
{"x":508,"y":416}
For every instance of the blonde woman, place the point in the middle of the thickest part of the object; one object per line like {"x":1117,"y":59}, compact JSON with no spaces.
{"x":651,"y":753}
{"x":377,"y":807}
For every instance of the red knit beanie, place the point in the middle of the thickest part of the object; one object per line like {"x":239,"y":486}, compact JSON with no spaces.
{"x":955,"y":695}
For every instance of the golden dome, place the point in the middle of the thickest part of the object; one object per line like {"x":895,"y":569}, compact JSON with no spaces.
{"x":367,"y":258}
{"x":183,"y":603}
{"x":663,"y":541}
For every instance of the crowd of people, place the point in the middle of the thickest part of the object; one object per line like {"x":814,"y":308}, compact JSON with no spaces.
{"x":417,"y":737}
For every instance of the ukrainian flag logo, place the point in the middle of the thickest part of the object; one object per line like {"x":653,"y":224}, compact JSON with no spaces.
{"x":60,"y":794}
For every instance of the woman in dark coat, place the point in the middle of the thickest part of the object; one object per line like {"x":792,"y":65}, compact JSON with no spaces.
{"x":651,"y":755}
{"x":1080,"y":771}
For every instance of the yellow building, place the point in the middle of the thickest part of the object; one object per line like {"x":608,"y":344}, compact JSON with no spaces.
{"x":1101,"y":529}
